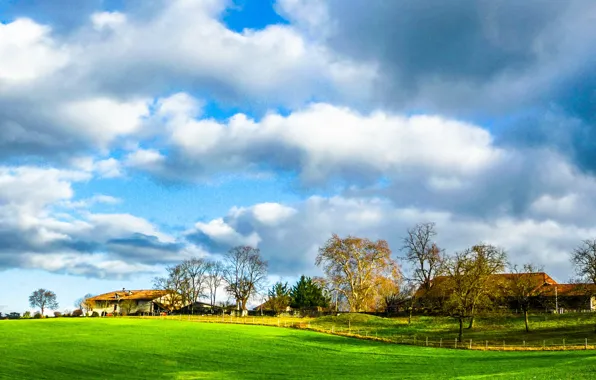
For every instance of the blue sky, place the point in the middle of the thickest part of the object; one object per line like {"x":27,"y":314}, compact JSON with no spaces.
{"x":135,"y":134}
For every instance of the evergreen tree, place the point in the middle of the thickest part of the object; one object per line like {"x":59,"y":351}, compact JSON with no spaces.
{"x":279,"y":297}
{"x":306,"y":294}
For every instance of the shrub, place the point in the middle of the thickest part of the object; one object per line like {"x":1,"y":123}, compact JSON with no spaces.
{"x":95,"y":314}
{"x":37,"y":315}
{"x":26,"y":315}
{"x":57,"y":314}
{"x":77,"y":313}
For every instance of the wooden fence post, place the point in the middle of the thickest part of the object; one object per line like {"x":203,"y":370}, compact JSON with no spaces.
{"x":455,"y":343}
{"x":441,"y":342}
{"x":586,"y":344}
{"x":486,"y":344}
{"x":426,"y":341}
{"x":470,"y":344}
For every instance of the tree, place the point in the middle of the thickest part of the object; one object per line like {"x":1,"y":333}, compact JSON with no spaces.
{"x":423,"y":254}
{"x":194,"y":272}
{"x":584,"y":259}
{"x":355,"y":267}
{"x":43,"y":299}
{"x":85,"y":303}
{"x":523,"y":287}
{"x":488,"y":260}
{"x":127,"y":306}
{"x":467,"y":280}
{"x":279,"y":297}
{"x":214,"y":279}
{"x":244,"y":272}
{"x":176,"y":286}
{"x":307,"y":295}
{"x":404,"y":297}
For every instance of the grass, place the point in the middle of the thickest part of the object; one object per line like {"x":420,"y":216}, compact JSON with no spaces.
{"x":154,"y":348}
{"x":549,"y":329}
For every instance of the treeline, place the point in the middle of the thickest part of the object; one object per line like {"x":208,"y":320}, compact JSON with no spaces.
{"x":361,"y":275}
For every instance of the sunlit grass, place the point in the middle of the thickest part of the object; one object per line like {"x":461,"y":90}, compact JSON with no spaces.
{"x":130,"y":348}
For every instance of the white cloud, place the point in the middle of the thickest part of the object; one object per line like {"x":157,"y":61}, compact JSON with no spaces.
{"x":146,"y":159}
{"x":107,"y":20}
{"x":28,"y":52}
{"x":35,"y":232}
{"x":291,"y":244}
{"x":347,"y":143}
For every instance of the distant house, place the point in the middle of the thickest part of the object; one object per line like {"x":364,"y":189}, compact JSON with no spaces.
{"x":200,"y":308}
{"x":135,"y":302}
{"x":547,"y":295}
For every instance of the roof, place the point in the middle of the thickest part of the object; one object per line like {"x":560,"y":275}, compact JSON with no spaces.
{"x":544,"y":285}
{"x":134,"y":295}
{"x":563,"y":290}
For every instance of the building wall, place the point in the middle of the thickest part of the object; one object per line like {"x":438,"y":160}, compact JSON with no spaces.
{"x":141,"y":306}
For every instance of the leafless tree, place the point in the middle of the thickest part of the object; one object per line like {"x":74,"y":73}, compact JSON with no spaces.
{"x":468,"y":273}
{"x":422,"y":253}
{"x":244,"y":272}
{"x":214,"y":279}
{"x":176,"y":286}
{"x":85,"y":303}
{"x":127,"y":306}
{"x":43,"y":299}
{"x":195,"y":274}
{"x":584,"y":259}
{"x":523,"y":287}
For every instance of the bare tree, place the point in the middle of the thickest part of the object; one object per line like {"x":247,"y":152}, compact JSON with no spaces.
{"x":356,"y":267}
{"x":523,"y":287}
{"x":584,"y":259}
{"x":488,"y":261}
{"x":43,"y":299}
{"x":85,"y":303}
{"x":176,"y":286}
{"x":195,"y":275}
{"x":467,"y":282}
{"x":214,"y":279}
{"x":127,"y":306}
{"x":422,"y":253}
{"x":244,"y":273}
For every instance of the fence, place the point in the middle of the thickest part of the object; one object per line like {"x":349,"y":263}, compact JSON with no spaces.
{"x":557,"y":344}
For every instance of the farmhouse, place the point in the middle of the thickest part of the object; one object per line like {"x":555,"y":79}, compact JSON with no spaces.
{"x":134,"y":302}
{"x":547,"y":294}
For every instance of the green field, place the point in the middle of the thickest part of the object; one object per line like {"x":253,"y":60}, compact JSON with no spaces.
{"x":548,"y":329}
{"x":142,"y":348}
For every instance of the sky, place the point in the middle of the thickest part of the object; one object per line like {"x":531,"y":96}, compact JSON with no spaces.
{"x":136,"y":134}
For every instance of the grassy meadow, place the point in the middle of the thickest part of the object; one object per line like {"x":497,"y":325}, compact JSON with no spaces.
{"x":551,"y":331}
{"x":127,"y":348}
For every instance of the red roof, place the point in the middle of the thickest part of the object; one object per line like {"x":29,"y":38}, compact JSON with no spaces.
{"x":130,"y":295}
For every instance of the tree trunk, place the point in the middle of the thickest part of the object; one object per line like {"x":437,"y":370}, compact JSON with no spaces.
{"x":410,"y":315}
{"x":526,"y":320}
{"x":461,"y":329}
{"x":472,"y":317}
{"x":471,"y":324}
{"x":244,"y":310}
{"x":42,"y":309}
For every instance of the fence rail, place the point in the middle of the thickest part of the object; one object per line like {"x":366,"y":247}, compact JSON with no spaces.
{"x":558,"y":344}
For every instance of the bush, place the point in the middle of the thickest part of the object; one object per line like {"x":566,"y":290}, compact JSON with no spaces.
{"x":57,"y":314}
{"x":26,"y":315}
{"x":37,"y":315}
{"x":77,"y":313}
{"x":95,"y":314}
